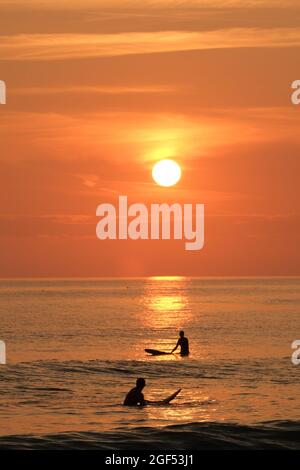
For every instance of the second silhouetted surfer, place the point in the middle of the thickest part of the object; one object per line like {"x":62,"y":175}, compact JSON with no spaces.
{"x":183,"y":342}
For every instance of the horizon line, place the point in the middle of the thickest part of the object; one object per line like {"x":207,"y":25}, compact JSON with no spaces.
{"x":170,"y":277}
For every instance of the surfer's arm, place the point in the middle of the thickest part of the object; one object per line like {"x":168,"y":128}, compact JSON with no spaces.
{"x":174,"y":349}
{"x":142,"y":401}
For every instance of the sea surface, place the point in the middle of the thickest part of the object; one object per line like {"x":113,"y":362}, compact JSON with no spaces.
{"x":76,"y":346}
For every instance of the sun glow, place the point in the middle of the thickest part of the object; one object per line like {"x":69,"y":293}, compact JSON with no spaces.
{"x":166,"y":172}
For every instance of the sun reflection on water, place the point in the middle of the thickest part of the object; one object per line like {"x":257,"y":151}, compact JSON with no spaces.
{"x":166,"y":310}
{"x":166,"y":303}
{"x":184,"y":408}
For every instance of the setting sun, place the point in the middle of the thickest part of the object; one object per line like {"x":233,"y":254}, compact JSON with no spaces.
{"x":166,"y":172}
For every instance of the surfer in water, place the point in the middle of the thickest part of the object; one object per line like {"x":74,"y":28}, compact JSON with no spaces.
{"x":183,"y":342}
{"x":135,"y":396}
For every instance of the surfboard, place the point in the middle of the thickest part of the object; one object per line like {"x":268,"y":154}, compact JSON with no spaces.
{"x":166,"y":400}
{"x":155,"y":352}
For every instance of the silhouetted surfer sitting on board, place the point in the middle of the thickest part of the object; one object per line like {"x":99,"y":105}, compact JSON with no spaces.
{"x":135,"y":396}
{"x":183,"y":342}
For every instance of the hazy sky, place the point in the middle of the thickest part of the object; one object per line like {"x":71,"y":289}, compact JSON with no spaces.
{"x":98,"y":91}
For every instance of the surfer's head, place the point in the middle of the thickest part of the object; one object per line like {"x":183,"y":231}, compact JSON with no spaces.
{"x":140,"y":383}
{"x":181,"y":334}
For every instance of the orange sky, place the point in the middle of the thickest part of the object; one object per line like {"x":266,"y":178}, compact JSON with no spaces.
{"x":99,"y":90}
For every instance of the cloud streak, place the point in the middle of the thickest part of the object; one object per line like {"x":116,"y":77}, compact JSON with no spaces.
{"x":101,"y":90}
{"x":39,"y":47}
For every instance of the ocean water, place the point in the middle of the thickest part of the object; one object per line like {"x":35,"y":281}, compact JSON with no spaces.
{"x":76,"y":346}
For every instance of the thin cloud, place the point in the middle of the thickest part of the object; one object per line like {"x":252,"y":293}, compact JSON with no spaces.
{"x":101,"y":90}
{"x":71,"y":46}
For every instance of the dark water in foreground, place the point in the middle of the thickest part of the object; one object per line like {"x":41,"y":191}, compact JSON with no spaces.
{"x":75,"y":347}
{"x":191,"y":436}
